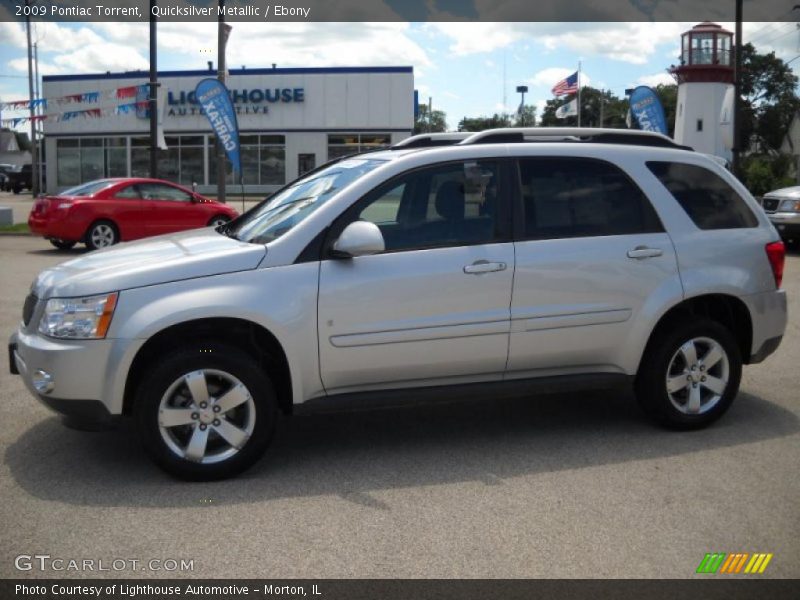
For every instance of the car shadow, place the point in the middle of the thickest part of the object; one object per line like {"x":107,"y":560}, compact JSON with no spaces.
{"x":76,"y":251}
{"x":352,"y":454}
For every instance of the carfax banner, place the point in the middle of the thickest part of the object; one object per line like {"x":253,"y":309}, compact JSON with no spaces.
{"x":213,"y":96}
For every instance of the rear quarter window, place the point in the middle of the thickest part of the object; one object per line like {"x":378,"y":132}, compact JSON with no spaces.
{"x":707,"y":198}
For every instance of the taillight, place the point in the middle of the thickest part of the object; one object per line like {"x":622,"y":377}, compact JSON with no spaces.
{"x":776,"y":254}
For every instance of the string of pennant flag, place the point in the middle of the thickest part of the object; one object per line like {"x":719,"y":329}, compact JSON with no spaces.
{"x":91,"y":113}
{"x":131,"y":91}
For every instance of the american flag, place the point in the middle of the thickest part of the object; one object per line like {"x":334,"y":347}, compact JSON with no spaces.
{"x":566,"y":86}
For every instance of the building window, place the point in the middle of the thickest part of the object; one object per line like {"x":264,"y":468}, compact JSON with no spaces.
{"x":140,"y":157}
{"x":342,"y":144}
{"x":85,"y":159}
{"x":699,"y":124}
{"x":263,"y":160}
{"x":68,"y":155}
{"x":181,"y":162}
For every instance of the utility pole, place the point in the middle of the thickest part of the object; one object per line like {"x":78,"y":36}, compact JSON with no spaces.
{"x":40,"y":154}
{"x":153,"y":99}
{"x":221,"y":40}
{"x":31,"y":106}
{"x":430,"y":114}
{"x":737,"y":93}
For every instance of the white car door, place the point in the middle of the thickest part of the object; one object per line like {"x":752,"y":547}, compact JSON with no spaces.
{"x":434,"y":307}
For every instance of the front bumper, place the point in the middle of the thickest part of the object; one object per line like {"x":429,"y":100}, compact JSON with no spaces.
{"x":85,"y":374}
{"x":787,"y":223}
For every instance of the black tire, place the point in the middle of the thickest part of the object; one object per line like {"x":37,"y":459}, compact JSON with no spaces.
{"x":663,"y":357}
{"x":222,"y":366}
{"x":218,"y":220}
{"x":101,"y":234}
{"x":16,"y":189}
{"x":62,"y":244}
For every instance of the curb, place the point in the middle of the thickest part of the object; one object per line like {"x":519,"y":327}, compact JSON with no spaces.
{"x":16,"y":233}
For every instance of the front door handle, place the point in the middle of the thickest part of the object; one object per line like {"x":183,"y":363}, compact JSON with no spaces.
{"x":644,"y":252}
{"x":484,"y":266}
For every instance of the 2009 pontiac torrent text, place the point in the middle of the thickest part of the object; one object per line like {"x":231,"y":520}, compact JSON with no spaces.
{"x":510,"y":261}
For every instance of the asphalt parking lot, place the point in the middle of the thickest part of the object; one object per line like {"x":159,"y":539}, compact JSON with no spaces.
{"x":556,"y":486}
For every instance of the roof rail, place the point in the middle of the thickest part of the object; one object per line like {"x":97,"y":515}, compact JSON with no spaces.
{"x":518,"y":135}
{"x":428,"y":140}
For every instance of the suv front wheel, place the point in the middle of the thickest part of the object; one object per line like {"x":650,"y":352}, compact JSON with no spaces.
{"x":206,"y":413}
{"x":689,"y":375}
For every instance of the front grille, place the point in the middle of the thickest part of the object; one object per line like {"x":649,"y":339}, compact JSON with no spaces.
{"x":770,"y":204}
{"x":28,"y":307}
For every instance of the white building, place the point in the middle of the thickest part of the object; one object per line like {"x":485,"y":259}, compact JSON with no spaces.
{"x":290,"y":120}
{"x":704,"y":77}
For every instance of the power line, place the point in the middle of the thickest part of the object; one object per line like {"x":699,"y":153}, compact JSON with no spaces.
{"x":754,"y":39}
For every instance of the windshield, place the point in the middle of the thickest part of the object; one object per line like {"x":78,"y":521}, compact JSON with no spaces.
{"x":87,"y":189}
{"x":292,"y":205}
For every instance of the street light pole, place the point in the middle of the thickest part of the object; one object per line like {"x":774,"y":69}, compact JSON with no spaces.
{"x":31,"y":107}
{"x":521,"y":89}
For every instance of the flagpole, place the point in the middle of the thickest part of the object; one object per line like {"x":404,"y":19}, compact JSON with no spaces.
{"x":579,"y":93}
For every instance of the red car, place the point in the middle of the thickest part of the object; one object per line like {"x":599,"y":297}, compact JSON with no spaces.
{"x":107,"y":211}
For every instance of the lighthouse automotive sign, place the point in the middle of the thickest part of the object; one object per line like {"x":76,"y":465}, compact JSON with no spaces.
{"x":213,"y":97}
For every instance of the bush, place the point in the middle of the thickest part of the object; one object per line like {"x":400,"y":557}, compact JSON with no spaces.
{"x":764,"y":173}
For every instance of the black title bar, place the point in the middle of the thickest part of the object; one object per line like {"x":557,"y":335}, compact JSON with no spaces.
{"x":266,"y":11}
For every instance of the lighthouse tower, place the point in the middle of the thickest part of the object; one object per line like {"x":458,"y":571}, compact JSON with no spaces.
{"x":704,"y":77}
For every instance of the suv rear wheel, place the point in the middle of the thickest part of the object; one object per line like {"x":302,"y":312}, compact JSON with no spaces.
{"x":690,"y":375}
{"x":206,"y":413}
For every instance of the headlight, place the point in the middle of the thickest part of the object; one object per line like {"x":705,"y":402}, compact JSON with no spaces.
{"x":789,"y":206}
{"x":78,"y":318}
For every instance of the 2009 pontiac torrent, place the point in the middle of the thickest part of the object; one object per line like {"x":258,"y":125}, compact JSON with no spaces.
{"x":510,"y":261}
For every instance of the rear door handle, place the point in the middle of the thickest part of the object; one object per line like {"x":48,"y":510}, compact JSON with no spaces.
{"x":484,"y":266}
{"x":644,"y":252}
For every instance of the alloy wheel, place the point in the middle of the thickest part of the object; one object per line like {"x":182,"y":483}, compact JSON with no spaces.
{"x":206,"y":416}
{"x":697,"y":375}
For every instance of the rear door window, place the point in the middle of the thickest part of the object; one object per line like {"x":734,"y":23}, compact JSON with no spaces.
{"x":707,"y":198}
{"x":581,"y":197}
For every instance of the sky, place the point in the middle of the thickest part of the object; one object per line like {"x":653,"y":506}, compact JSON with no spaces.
{"x":468,"y":69}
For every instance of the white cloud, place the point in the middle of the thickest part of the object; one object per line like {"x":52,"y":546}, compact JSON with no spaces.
{"x":628,"y":42}
{"x":474,"y":38}
{"x":656,"y":79}
{"x":287,"y":44}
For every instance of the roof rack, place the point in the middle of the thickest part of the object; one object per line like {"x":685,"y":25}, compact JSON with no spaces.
{"x":517,"y":135}
{"x":429,"y":140}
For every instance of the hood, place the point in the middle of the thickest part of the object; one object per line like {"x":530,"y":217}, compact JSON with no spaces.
{"x":787,"y":192}
{"x":186,"y":255}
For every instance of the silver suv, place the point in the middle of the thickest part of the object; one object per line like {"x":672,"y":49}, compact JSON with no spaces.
{"x":513,"y":261}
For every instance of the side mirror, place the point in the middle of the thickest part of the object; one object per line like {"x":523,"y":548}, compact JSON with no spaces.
{"x":360,"y":238}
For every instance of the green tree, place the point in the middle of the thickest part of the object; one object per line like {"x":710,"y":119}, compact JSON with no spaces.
{"x":428,"y":122}
{"x":769,"y":100}
{"x":598,"y":108}
{"x":481,"y":123}
{"x":668,"y":95}
{"x":526,"y":117}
